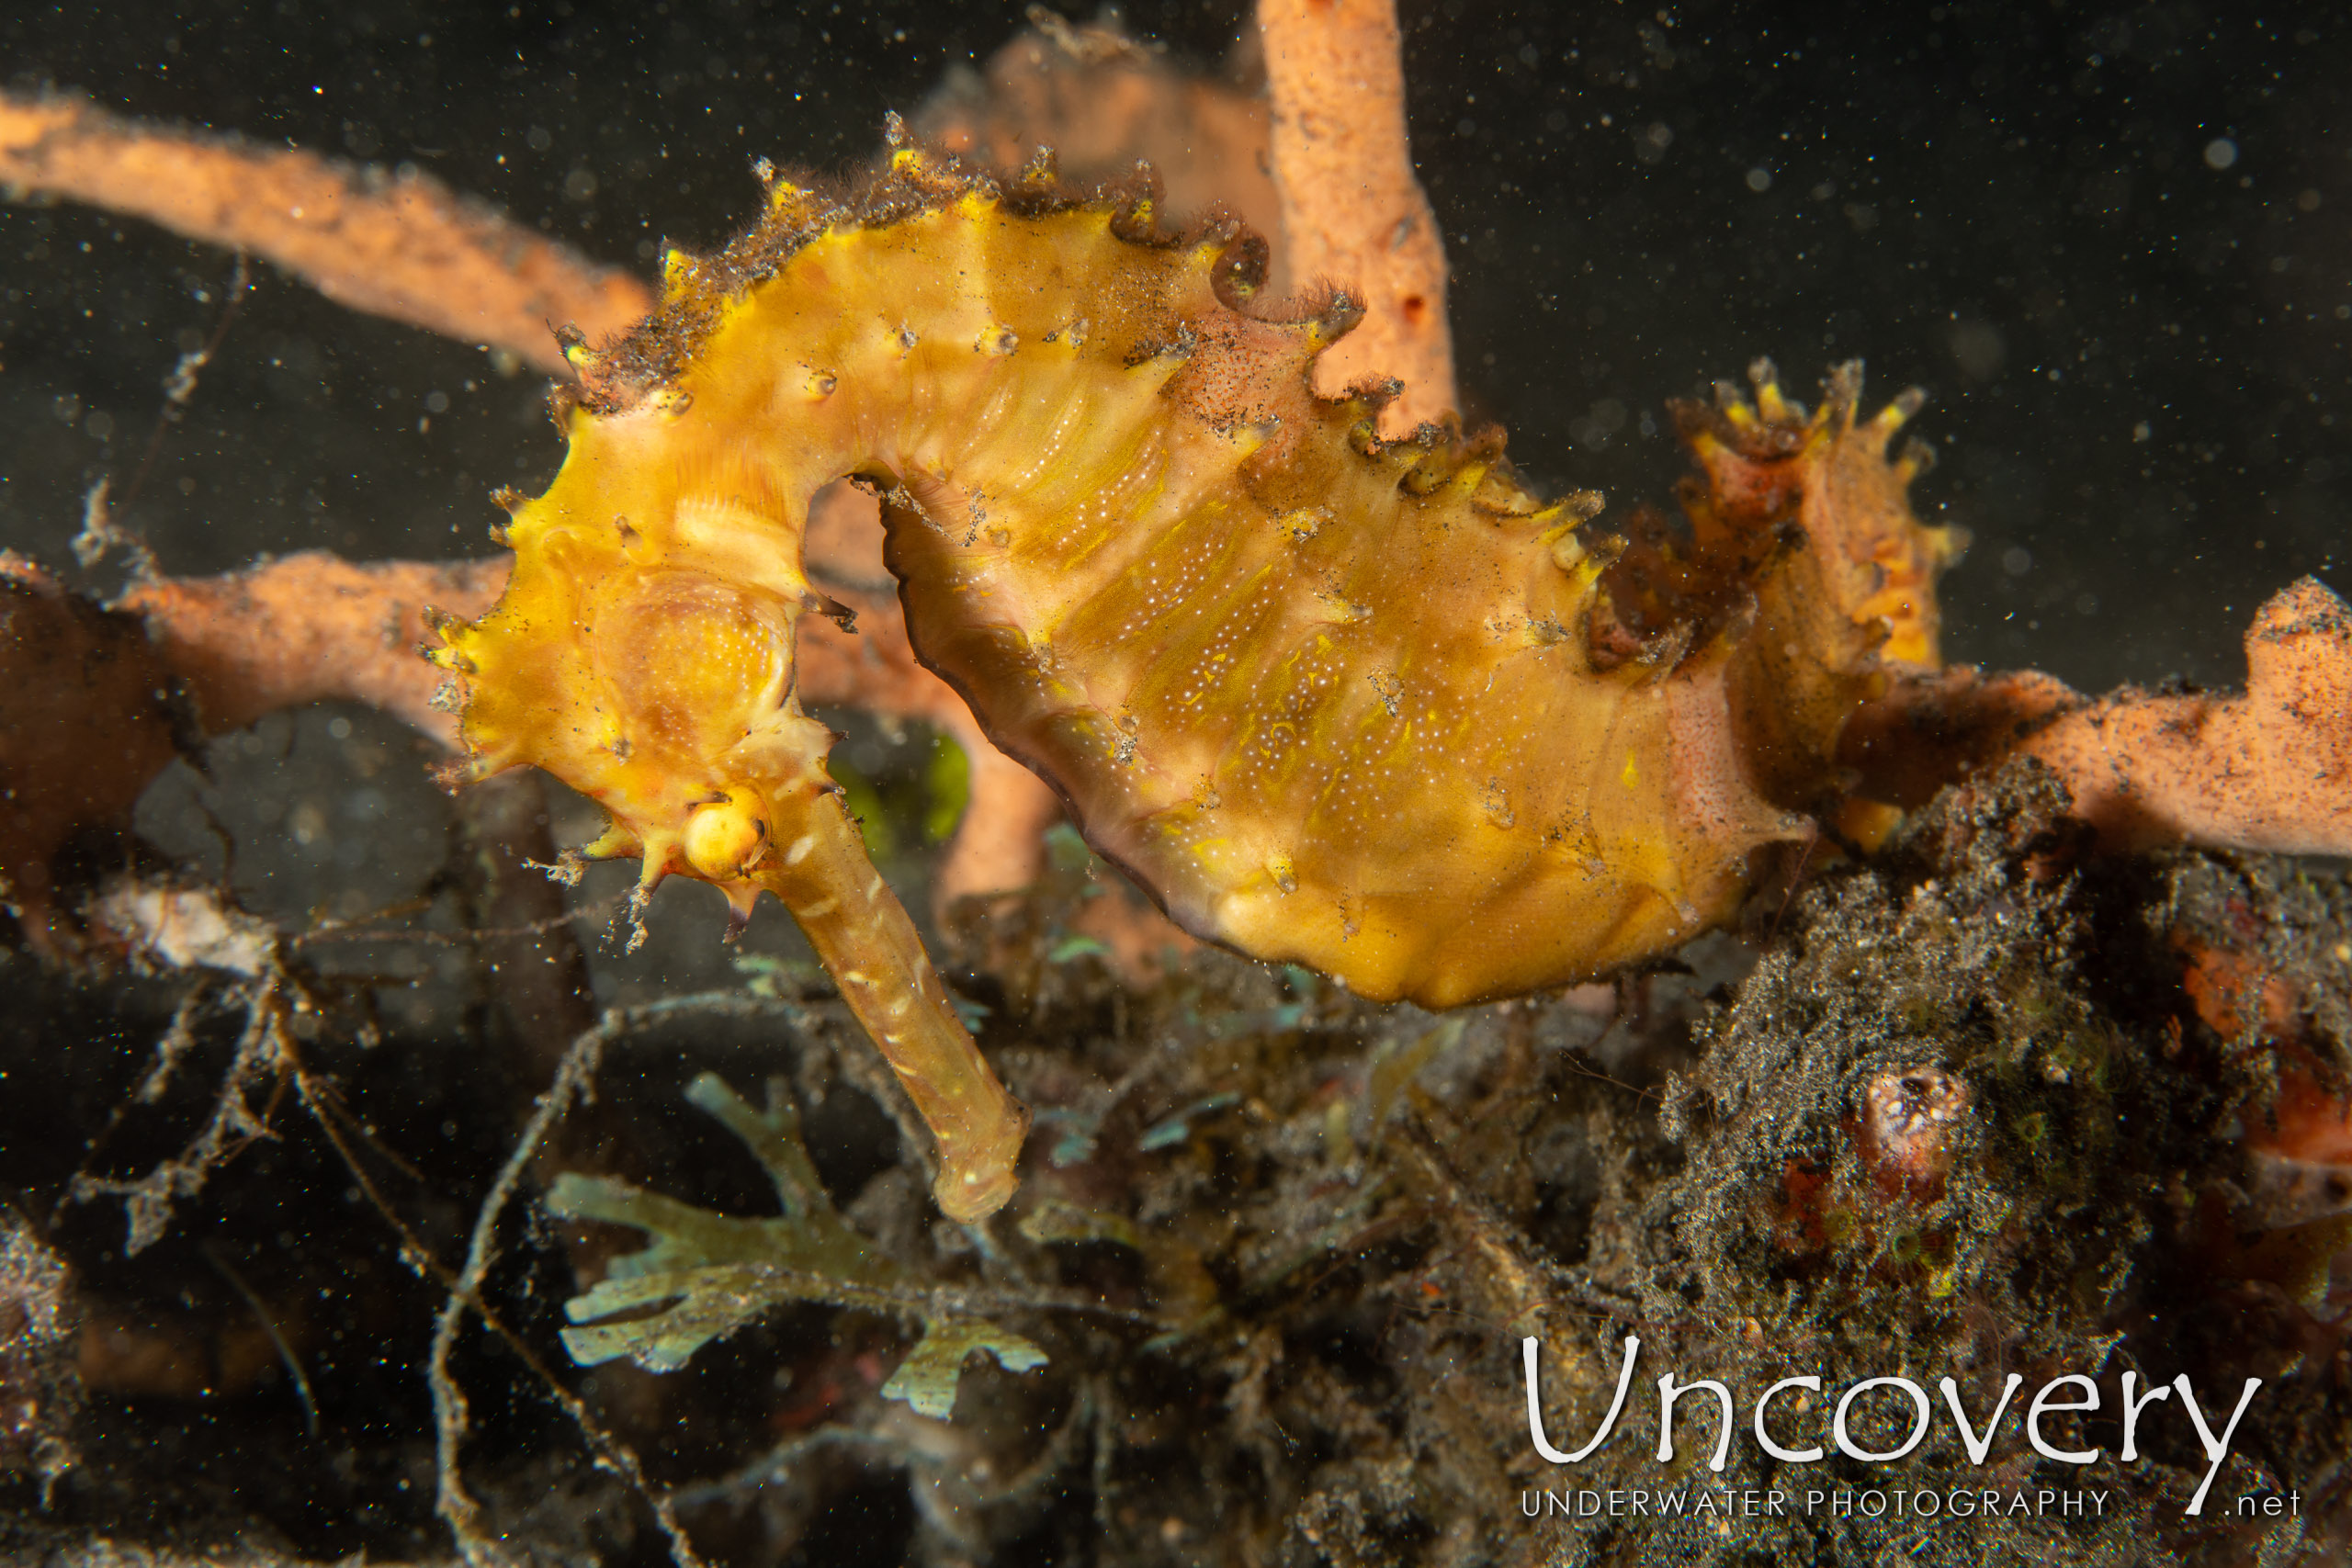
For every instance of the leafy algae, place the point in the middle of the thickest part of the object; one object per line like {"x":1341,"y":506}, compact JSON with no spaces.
{"x":709,"y":1274}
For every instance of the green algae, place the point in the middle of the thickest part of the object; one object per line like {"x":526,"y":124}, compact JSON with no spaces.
{"x":709,"y":1274}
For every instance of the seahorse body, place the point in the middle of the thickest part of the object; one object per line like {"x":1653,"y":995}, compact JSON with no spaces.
{"x":1332,"y":700}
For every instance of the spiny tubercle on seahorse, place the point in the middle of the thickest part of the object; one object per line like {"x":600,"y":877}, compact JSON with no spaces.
{"x":1361,"y":705}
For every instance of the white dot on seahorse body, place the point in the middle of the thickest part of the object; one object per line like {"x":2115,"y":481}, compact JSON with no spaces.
{"x":799,"y":850}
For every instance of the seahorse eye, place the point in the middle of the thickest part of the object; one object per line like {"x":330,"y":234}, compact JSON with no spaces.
{"x":689,"y":661}
{"x":726,"y":837}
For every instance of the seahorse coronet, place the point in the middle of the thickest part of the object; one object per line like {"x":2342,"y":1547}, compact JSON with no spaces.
{"x":1331,"y":699}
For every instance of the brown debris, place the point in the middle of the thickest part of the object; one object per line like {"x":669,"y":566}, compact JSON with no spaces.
{"x":1908,"y":1118}
{"x":38,"y":1393}
{"x":398,"y":246}
{"x":1352,"y":211}
{"x":85,"y":720}
{"x":186,"y":1355}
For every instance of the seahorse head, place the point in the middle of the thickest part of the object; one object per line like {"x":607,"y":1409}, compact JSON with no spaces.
{"x":644,"y":654}
{"x":689,"y":664}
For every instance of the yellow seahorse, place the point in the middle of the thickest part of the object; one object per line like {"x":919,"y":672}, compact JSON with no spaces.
{"x":1366,"y":707}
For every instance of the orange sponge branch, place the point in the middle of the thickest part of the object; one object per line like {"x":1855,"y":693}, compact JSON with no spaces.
{"x":1353,"y":213}
{"x":2268,"y":768}
{"x":398,"y":245}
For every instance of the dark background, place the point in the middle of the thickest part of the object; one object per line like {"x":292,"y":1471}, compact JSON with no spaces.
{"x":2135,"y":359}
